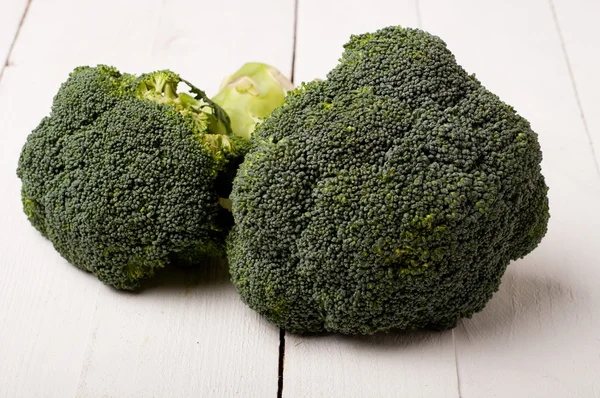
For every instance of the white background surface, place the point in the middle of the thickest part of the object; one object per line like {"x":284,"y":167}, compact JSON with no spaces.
{"x":64,"y":334}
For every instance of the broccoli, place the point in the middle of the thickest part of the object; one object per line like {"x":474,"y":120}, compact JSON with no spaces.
{"x":248,"y":96}
{"x":391,"y":195}
{"x":121,"y":175}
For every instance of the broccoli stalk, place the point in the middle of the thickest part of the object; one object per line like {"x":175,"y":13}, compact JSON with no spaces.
{"x":250,"y":95}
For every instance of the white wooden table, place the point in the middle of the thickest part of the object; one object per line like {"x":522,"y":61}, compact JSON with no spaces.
{"x":63,"y":333}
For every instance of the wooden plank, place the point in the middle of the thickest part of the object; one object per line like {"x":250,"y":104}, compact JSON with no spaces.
{"x":577,"y":22}
{"x":419,"y":364}
{"x":188,"y":335}
{"x":63,"y":333}
{"x":412,"y":364}
{"x":11,"y":14}
{"x":325,"y":26}
{"x":538,"y":337}
{"x":207,"y":42}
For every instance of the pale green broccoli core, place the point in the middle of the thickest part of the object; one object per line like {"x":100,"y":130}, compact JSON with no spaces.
{"x":250,"y":95}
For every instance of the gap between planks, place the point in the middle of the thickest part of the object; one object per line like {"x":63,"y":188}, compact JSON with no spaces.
{"x":456,"y":358}
{"x":280,"y":365}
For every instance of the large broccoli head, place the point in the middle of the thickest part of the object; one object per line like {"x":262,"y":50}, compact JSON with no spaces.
{"x":120,"y":176}
{"x":391,"y":195}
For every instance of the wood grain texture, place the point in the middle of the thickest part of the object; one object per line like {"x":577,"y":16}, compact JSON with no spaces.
{"x":539,"y":336}
{"x":419,"y":364}
{"x":577,"y":22}
{"x":11,"y":14}
{"x":65,"y":334}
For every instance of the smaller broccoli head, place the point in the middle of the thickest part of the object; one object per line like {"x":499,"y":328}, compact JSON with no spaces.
{"x":121,"y":175}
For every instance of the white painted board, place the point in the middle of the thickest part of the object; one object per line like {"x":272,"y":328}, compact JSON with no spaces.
{"x":65,"y":334}
{"x":398,"y":364}
{"x":540,"y":334}
{"x":324,"y":26}
{"x":11,"y":13}
{"x":580,"y":32}
{"x":417,"y":364}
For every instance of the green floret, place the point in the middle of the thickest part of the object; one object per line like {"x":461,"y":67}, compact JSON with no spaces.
{"x":391,"y":195}
{"x":121,"y":175}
